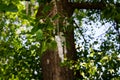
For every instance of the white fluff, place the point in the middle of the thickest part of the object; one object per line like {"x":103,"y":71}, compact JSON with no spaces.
{"x":60,"y":48}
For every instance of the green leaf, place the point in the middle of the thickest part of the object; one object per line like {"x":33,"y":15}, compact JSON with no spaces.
{"x":10,"y":8}
{"x":39,"y":34}
{"x":52,"y":45}
{"x":43,"y":47}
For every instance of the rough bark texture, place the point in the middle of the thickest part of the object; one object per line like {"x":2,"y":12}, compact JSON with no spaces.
{"x":52,"y":69}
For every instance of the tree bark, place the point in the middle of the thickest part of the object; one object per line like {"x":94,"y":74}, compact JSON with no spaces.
{"x":51,"y":59}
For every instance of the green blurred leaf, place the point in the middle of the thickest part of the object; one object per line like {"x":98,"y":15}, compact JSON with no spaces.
{"x":10,"y":8}
{"x":39,"y":34}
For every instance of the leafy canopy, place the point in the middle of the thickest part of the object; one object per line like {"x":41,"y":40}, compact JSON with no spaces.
{"x":23,"y":39}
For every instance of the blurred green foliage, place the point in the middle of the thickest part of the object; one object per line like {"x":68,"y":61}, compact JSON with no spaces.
{"x":23,"y":40}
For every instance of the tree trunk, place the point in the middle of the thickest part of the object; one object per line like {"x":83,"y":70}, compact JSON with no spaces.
{"x":51,"y":59}
{"x":51,"y":67}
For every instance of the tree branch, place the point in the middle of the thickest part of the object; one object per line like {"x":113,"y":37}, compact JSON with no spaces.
{"x":88,"y":5}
